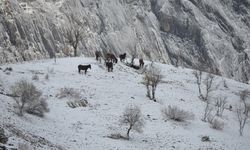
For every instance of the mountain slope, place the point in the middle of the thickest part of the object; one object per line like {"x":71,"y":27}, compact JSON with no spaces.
{"x":193,"y":33}
{"x":108,"y":93}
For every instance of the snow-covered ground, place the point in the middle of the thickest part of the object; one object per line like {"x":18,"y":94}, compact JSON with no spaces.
{"x":108,"y":93}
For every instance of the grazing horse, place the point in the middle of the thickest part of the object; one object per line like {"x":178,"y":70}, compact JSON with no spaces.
{"x":141,"y":62}
{"x":98,"y":54}
{"x":111,"y":57}
{"x":109,"y":66}
{"x":122,"y":57}
{"x":83,"y":67}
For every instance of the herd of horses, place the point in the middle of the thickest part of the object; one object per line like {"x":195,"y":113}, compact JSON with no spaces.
{"x":110,"y":59}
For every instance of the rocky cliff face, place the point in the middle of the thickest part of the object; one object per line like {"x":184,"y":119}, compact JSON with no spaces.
{"x":213,"y":35}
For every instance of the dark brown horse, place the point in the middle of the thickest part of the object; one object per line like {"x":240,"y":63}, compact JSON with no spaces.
{"x":98,"y":54}
{"x":122,"y":57}
{"x":83,"y":67}
{"x":109,"y":66}
{"x":141,"y":62}
{"x":111,"y":58}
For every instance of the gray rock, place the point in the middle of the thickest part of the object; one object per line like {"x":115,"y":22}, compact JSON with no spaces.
{"x":193,"y":33}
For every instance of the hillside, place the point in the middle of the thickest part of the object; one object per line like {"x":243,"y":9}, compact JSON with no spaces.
{"x":108,"y":93}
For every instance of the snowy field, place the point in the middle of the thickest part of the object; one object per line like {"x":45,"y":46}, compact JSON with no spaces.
{"x":108,"y":93}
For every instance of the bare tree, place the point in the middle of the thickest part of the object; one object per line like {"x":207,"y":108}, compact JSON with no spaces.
{"x":133,"y":118}
{"x":151,"y":79}
{"x":208,"y":83}
{"x":207,"y":111}
{"x":243,"y":97}
{"x":242,"y":118}
{"x":74,"y":36}
{"x":28,"y":99}
{"x":198,"y":76}
{"x":220,"y":105}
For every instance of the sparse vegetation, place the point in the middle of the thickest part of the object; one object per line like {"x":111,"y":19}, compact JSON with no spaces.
{"x":176,"y":114}
{"x":77,"y":103}
{"x":216,"y":123}
{"x":207,"y":111}
{"x":152,"y":78}
{"x":28,"y":99}
{"x":242,"y":116}
{"x":69,"y":93}
{"x":35,"y":77}
{"x":3,"y":137}
{"x":220,"y":105}
{"x":243,"y":97}
{"x":132,"y":118}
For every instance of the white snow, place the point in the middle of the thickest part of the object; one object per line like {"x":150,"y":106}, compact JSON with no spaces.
{"x":108,"y":93}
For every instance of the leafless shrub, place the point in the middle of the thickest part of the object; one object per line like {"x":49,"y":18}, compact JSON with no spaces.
{"x":69,"y":93}
{"x":77,"y":103}
{"x":216,"y":123}
{"x":3,"y":137}
{"x":35,"y":77}
{"x":207,"y":111}
{"x":132,"y":117}
{"x":175,"y":113}
{"x":242,"y":116}
{"x":220,"y":105}
{"x":208,"y":83}
{"x":198,"y":76}
{"x":151,"y":79}
{"x":243,"y":97}
{"x":28,"y":99}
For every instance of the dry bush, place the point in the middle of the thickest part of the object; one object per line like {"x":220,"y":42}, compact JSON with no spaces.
{"x":242,"y":116}
{"x":132,"y":117}
{"x":243,"y":97}
{"x":69,"y":93}
{"x":3,"y":137}
{"x":35,"y":77}
{"x":216,"y":123}
{"x":77,"y":103}
{"x":175,"y":113}
{"x":28,"y":99}
{"x":220,"y":105}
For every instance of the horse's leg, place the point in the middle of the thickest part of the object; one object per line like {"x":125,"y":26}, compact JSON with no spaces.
{"x":85,"y":71}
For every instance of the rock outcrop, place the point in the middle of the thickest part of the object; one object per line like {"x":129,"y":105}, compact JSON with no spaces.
{"x":211,"y":35}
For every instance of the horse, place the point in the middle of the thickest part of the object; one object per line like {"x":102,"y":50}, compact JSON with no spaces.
{"x":141,"y":62}
{"x":111,"y":57}
{"x":109,"y":66}
{"x":83,"y":67}
{"x":122,"y":57}
{"x":98,"y":54}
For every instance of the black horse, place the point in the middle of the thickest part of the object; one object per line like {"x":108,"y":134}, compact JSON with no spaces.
{"x":141,"y":62}
{"x":122,"y":57}
{"x":83,"y":67}
{"x":109,"y":66}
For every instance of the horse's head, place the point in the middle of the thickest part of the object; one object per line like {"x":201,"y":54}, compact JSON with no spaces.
{"x":89,"y":66}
